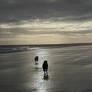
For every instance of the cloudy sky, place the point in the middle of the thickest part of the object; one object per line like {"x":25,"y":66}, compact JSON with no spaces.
{"x":45,"y":21}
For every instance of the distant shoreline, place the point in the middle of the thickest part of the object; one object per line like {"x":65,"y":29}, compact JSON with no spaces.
{"x":46,"y":45}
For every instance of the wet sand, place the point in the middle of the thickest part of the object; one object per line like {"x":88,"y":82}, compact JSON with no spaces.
{"x":70,"y":70}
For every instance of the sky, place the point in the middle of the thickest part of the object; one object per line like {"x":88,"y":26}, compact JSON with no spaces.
{"x":45,"y":21}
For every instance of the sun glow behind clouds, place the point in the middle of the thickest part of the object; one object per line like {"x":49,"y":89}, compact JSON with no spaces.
{"x":36,"y":39}
{"x":60,"y":26}
{"x":45,"y":32}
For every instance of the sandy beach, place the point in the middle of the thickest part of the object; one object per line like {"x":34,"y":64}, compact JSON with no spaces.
{"x":70,"y":70}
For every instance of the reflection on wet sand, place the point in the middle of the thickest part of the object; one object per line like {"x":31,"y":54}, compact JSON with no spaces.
{"x":46,"y":77}
{"x":39,"y":83}
{"x":40,"y":80}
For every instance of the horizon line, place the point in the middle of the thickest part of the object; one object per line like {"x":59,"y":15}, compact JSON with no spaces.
{"x":45,"y":44}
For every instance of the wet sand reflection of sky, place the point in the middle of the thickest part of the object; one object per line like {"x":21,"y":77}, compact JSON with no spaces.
{"x":39,"y":84}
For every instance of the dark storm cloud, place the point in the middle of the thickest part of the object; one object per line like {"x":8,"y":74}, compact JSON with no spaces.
{"x":16,"y":10}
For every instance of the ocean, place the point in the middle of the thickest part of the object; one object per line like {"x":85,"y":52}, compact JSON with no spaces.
{"x":69,"y":68}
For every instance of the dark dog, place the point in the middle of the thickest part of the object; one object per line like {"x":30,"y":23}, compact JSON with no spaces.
{"x":45,"y":67}
{"x":36,"y":60}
